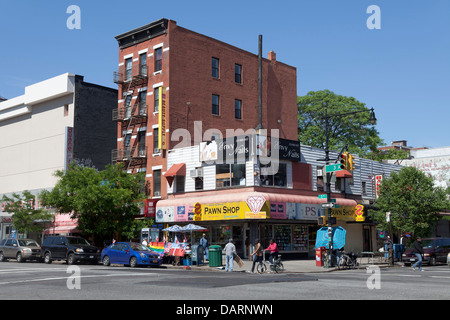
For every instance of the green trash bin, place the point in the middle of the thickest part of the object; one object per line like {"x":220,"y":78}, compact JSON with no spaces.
{"x":215,"y":256}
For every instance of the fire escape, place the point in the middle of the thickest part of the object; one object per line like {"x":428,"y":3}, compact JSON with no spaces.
{"x":131,"y":113}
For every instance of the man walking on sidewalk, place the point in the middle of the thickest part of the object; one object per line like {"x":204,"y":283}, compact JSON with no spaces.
{"x":418,"y":251}
{"x":230,"y":251}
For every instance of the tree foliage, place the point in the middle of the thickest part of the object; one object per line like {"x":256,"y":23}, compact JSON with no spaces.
{"x":25,"y":218}
{"x":352,"y":130}
{"x":104,"y":202}
{"x":412,"y":200}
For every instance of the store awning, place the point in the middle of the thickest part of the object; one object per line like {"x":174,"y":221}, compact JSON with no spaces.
{"x":344,"y":174}
{"x":178,"y":169}
{"x":242,"y":196}
{"x":61,"y":229}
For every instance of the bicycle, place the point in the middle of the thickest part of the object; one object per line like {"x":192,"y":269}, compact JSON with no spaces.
{"x":347,"y":261}
{"x":276,"y":266}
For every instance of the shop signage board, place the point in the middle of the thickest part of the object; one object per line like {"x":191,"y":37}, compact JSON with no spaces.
{"x":210,"y":212}
{"x":162,"y":119}
{"x":346,"y":213}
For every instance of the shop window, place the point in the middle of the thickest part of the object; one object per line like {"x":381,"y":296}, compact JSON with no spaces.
{"x":269,"y":177}
{"x":230,"y":175}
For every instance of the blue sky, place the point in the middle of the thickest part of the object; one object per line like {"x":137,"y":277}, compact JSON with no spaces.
{"x":401,"y":70}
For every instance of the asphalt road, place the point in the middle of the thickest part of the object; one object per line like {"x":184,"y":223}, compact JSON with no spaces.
{"x":31,"y":280}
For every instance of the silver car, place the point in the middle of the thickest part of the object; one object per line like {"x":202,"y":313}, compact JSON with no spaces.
{"x":19,"y":249}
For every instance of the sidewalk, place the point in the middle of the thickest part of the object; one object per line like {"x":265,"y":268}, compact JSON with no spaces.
{"x":290,"y":266}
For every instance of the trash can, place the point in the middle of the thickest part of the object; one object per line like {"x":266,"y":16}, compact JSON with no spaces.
{"x":215,"y":256}
{"x":319,"y":256}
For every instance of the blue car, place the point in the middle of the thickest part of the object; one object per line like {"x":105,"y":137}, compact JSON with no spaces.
{"x":130,"y":253}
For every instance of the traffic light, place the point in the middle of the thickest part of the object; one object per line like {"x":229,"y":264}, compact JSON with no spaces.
{"x":344,"y":160}
{"x":351,"y":162}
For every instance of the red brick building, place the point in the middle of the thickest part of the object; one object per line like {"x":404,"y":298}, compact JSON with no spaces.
{"x":194,"y":78}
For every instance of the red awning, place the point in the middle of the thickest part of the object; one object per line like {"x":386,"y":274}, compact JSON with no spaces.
{"x":61,"y":229}
{"x":178,"y":169}
{"x":343,"y":174}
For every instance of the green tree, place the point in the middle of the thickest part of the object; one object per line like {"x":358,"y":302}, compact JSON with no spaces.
{"x":104,"y":202}
{"x":25,"y":218}
{"x":412,"y":200}
{"x":352,"y":130}
{"x":391,"y":154}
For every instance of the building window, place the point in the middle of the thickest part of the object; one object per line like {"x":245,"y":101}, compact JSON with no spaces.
{"x":158,"y":59}
{"x":142,"y":102}
{"x":215,"y":68}
{"x":157,"y":183}
{"x":238,"y":73}
{"x":128,"y":107}
{"x":128,"y":69}
{"x":270,"y":177}
{"x":230,"y":175}
{"x":141,"y":145}
{"x":215,"y":104}
{"x":155,"y":141}
{"x":179,"y":183}
{"x":156,"y":94}
{"x":237,"y":109}
{"x":143,"y":64}
{"x":364,"y":188}
{"x":127,"y":141}
{"x":66,"y":110}
{"x":199,"y":183}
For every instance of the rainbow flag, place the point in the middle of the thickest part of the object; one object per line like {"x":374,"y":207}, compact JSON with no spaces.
{"x":157,"y":247}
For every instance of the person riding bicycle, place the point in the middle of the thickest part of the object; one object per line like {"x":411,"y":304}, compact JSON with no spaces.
{"x":273,"y":248}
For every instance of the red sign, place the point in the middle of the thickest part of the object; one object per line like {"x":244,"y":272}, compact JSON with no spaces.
{"x":150,"y":208}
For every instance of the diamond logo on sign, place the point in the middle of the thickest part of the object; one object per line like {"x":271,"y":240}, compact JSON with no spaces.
{"x":255,"y":203}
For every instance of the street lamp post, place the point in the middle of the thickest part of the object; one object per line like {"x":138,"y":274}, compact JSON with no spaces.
{"x":327,"y":117}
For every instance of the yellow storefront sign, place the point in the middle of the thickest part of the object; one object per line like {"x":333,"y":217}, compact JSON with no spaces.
{"x":229,"y":211}
{"x":349,"y":213}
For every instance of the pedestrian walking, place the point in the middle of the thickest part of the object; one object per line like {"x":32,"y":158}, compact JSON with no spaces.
{"x":257,"y":254}
{"x":204,"y":244}
{"x":418,"y":251}
{"x":402,"y":245}
{"x":230,"y":251}
{"x":390,"y":247}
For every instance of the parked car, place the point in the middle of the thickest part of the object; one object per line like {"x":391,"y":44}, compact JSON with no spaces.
{"x":19,"y":249}
{"x":435,"y":250}
{"x":71,"y":249}
{"x":130,"y":253}
{"x":448,"y":259}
